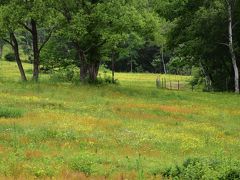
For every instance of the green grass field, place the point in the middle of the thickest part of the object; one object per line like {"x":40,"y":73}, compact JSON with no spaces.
{"x":128,"y":131}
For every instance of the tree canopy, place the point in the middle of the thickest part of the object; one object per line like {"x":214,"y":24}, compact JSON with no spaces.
{"x":127,"y":35}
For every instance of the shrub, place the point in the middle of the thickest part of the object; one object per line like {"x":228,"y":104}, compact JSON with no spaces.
{"x":197,"y":78}
{"x":105,"y":79}
{"x":28,"y":71}
{"x":196,"y":168}
{"x":10,"y":57}
{"x":7,"y":112}
{"x":63,"y":75}
{"x":82,"y":164}
{"x":42,"y":169}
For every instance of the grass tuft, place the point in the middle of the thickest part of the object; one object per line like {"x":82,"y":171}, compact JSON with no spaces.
{"x":7,"y":112}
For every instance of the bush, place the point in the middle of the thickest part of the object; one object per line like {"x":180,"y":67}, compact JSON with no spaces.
{"x":197,"y":78}
{"x":63,"y":75}
{"x":82,"y":164}
{"x":106,"y":79}
{"x":196,"y":168}
{"x":6,"y":112}
{"x":10,"y":57}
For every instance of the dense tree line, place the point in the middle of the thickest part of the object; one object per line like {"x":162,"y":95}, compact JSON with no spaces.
{"x":205,"y":35}
{"x":160,"y":36}
{"x":84,"y":33}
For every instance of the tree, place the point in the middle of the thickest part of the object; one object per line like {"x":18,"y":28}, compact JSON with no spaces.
{"x":36,"y":16}
{"x":99,"y":28}
{"x":230,"y":6}
{"x":8,"y":28}
{"x":75,"y":27}
{"x":199,"y":37}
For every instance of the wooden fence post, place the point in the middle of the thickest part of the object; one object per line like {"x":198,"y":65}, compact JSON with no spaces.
{"x":158,"y":82}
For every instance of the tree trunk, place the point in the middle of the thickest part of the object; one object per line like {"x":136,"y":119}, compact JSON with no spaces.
{"x":1,"y":50}
{"x":36,"y":61}
{"x":17,"y":56}
{"x":113,"y":68}
{"x":93,"y":71}
{"x":83,"y":68}
{"x":164,"y":65}
{"x":82,"y":63}
{"x":231,"y":48}
{"x":83,"y":72}
{"x":208,"y":77}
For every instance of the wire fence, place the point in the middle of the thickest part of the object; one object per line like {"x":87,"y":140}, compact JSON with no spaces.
{"x":163,"y":83}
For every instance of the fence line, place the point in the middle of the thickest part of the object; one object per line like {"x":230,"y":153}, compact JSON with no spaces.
{"x":163,"y":83}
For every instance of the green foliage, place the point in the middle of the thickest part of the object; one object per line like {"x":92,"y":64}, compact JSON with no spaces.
{"x":57,"y":54}
{"x":140,"y":168}
{"x":199,"y":35}
{"x":139,"y":69}
{"x":195,"y":168}
{"x":84,"y":162}
{"x":10,"y":57}
{"x":157,"y":63}
{"x":67,"y":74}
{"x":7,"y":112}
{"x":197,"y":77}
{"x":105,"y":79}
{"x":179,"y":65}
{"x":88,"y":33}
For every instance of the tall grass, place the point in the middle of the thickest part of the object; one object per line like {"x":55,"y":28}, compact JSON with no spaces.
{"x":73,"y":131}
{"x":7,"y":112}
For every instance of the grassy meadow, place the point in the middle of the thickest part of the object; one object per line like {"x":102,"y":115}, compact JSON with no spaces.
{"x":127,"y":131}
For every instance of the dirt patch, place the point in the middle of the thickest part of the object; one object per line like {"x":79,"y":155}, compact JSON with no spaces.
{"x":166,"y":108}
{"x":32,"y":154}
{"x":137,"y":115}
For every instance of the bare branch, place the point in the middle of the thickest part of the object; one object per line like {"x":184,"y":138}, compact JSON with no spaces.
{"x":46,"y":39}
{"x":225,"y":44}
{"x":235,"y":24}
{"x":26,"y":27}
{"x":7,"y":41}
{"x":95,"y":46}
